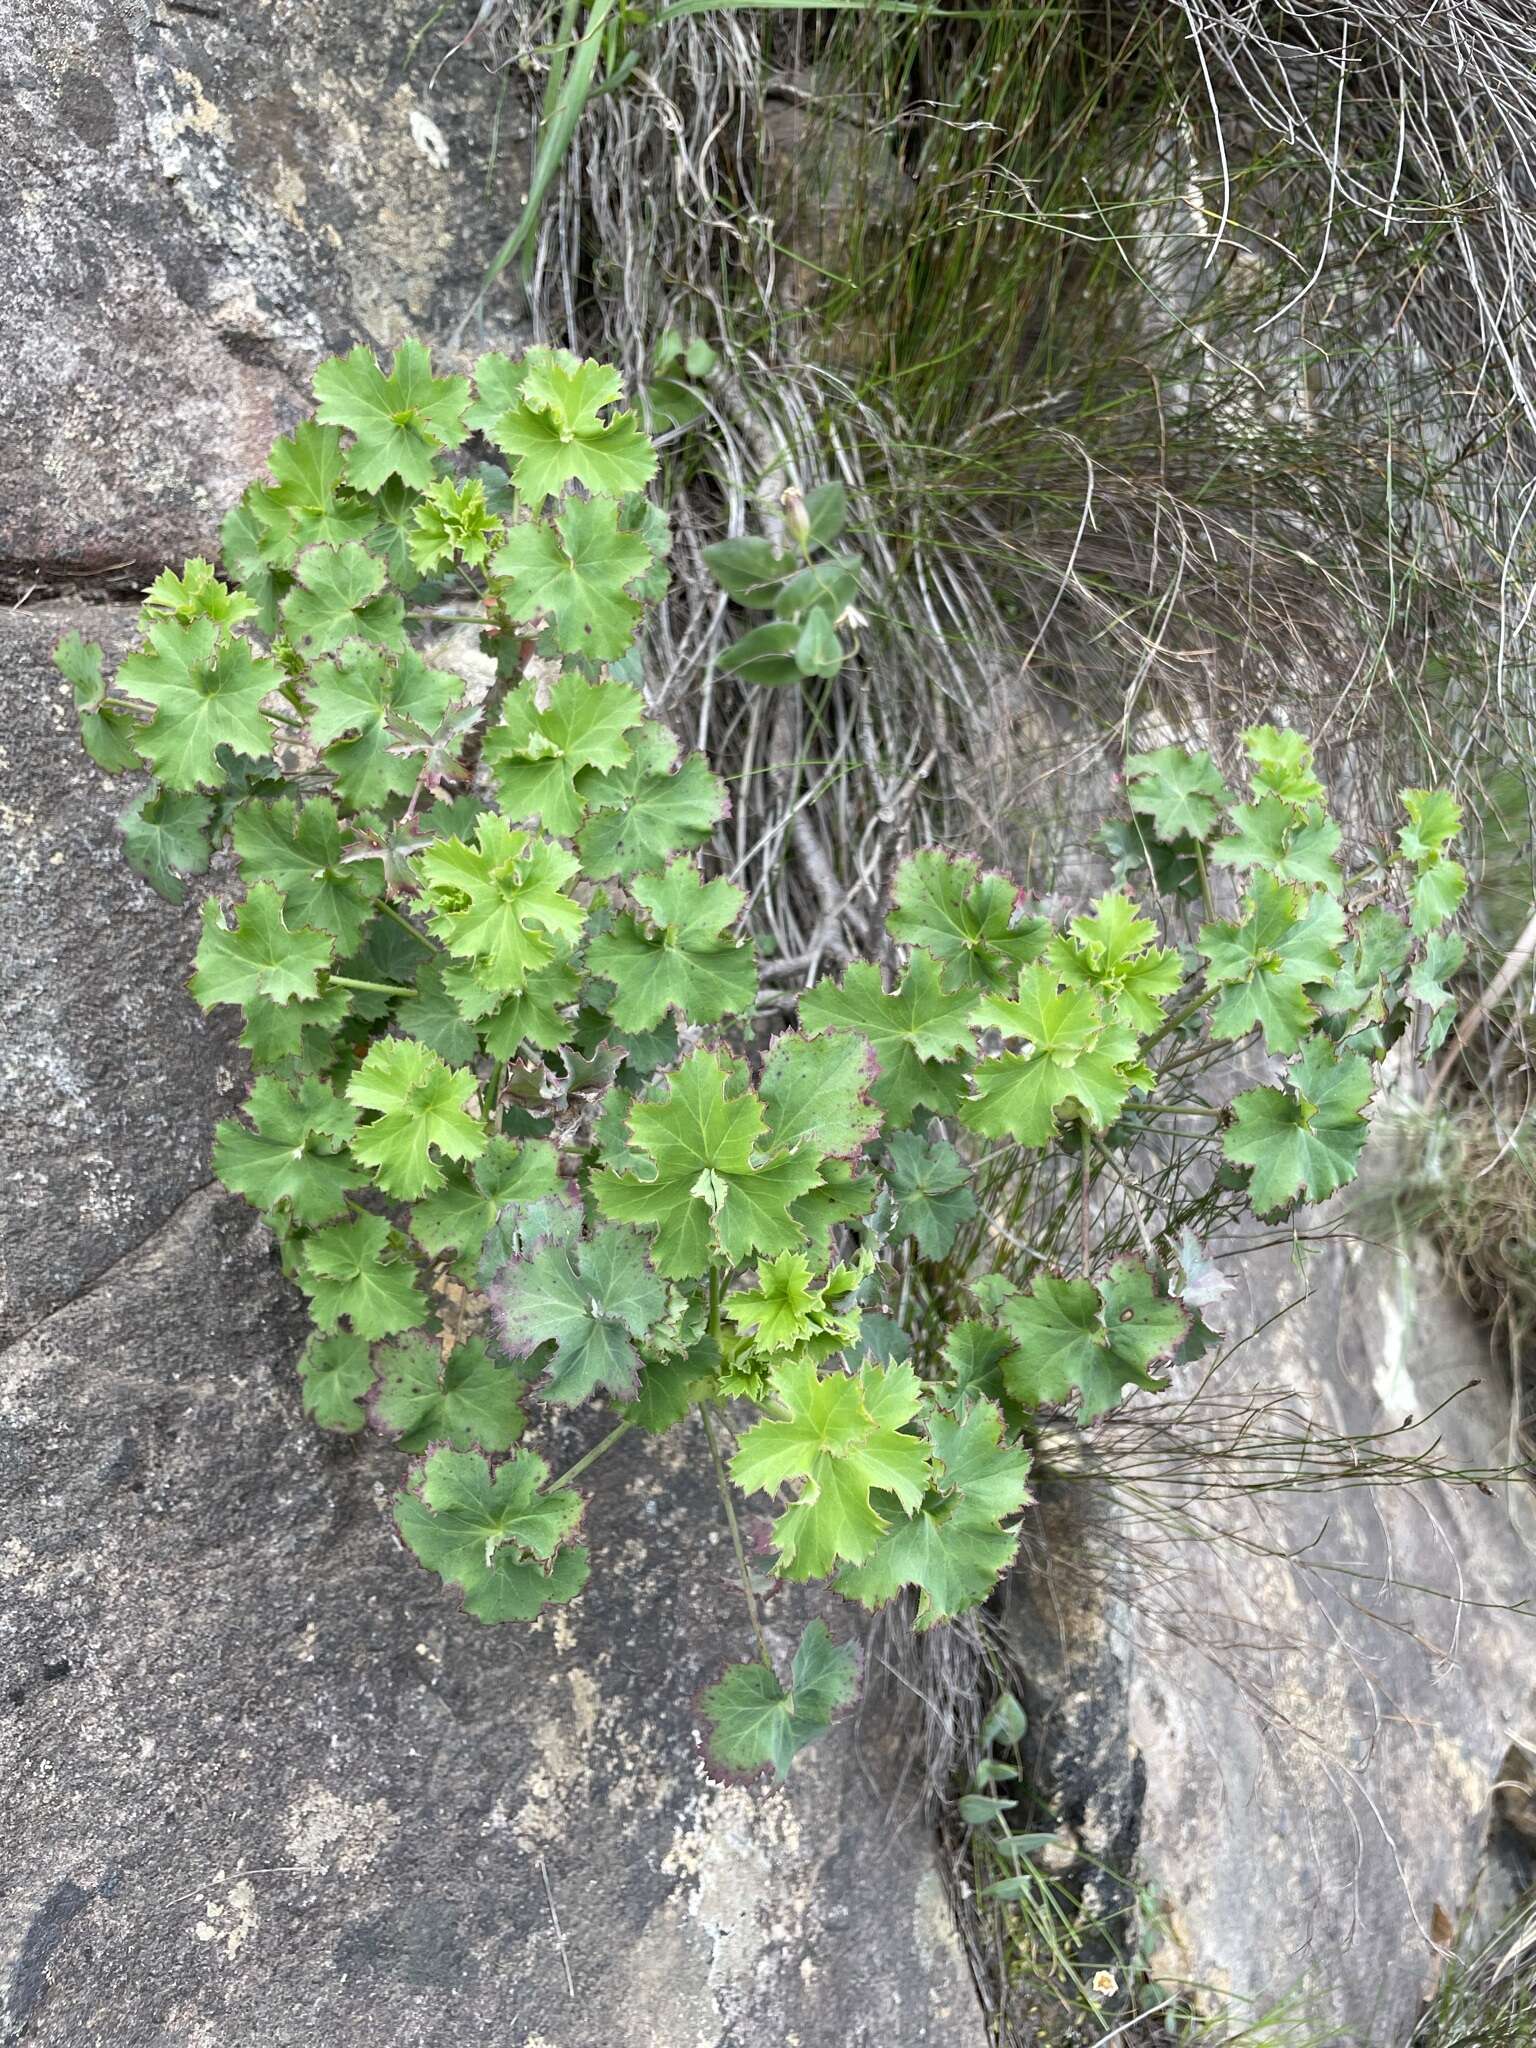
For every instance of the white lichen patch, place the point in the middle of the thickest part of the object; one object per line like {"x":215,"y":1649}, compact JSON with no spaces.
{"x":229,"y":1921}
{"x":565,"y":1740}
{"x":750,"y":1883}
{"x":327,"y":1832}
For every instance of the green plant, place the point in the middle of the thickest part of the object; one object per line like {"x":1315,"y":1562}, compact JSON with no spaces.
{"x":514,"y":1127}
{"x":810,"y":594}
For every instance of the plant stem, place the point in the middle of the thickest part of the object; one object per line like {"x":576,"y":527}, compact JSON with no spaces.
{"x":1205,"y":883}
{"x":492,"y":1095}
{"x":588,"y":1458}
{"x":405,"y":925}
{"x":1172,"y":1109}
{"x":724,"y":1485}
{"x":1087,"y":1213}
{"x":376,"y":988}
{"x":1172,"y":1023}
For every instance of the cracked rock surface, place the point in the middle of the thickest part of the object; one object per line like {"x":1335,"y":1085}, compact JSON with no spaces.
{"x":203,"y":199}
{"x":263,"y":1782}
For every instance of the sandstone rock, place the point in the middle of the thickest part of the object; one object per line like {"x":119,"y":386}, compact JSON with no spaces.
{"x":205,"y":200}
{"x":1285,"y":1713}
{"x":264,"y":1784}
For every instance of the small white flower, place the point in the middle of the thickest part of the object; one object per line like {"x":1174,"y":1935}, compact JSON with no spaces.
{"x":1103,"y":1985}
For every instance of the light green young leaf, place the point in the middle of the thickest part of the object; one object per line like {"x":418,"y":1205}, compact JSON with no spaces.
{"x":400,"y":422}
{"x":499,"y":389}
{"x":1306,"y":1138}
{"x":261,"y":956}
{"x":422,"y":1111}
{"x":300,"y":852}
{"x":340,"y":596}
{"x":595,"y":1301}
{"x":920,"y":1036}
{"x":1288,"y":942}
{"x":966,"y":919}
{"x":465,"y":1399}
{"x":576,"y":573}
{"x":347,"y":1271}
{"x":1282,"y":765}
{"x":932,"y":1191}
{"x":754,"y":1724}
{"x":780,"y":1309}
{"x":335,"y":1374}
{"x":1434,"y":819}
{"x":711,"y":1190}
{"x":207,"y":689}
{"x":453,"y":519}
{"x":296,"y":1154}
{"x":681,"y":960}
{"x":1287,"y":843}
{"x":1179,"y":791}
{"x":498,"y":1536}
{"x":499,"y":902}
{"x":556,"y":434}
{"x":165,"y":836}
{"x":1438,"y":888}
{"x":1439,"y":883}
{"x":1112,"y":953}
{"x":1076,"y":1058}
{"x":196,"y":593}
{"x":539,"y":749}
{"x":1070,"y":1334}
{"x":842,"y":1436}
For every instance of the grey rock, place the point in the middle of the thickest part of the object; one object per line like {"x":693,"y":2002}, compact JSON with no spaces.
{"x":108,"y":1070}
{"x":263,"y":1783}
{"x":1288,"y":1710}
{"x":204,"y":201}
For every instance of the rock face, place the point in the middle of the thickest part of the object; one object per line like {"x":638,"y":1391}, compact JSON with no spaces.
{"x":109,"y":1070}
{"x":205,"y":199}
{"x":263,"y":1782}
{"x":1289,"y":1710}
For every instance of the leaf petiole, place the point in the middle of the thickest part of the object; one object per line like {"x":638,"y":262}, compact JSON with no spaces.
{"x":374,"y":988}
{"x":587,"y":1459}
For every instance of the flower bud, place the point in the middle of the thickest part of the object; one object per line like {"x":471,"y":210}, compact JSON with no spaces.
{"x":796,"y":523}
